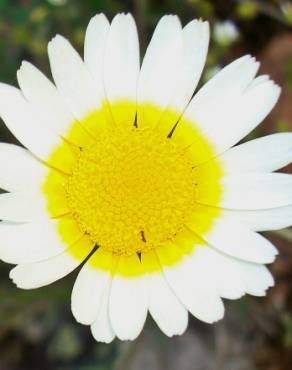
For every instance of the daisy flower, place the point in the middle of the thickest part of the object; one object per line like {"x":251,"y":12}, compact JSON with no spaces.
{"x":130,"y":175}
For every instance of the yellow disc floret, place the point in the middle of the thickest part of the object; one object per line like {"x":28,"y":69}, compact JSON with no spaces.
{"x":131,"y":191}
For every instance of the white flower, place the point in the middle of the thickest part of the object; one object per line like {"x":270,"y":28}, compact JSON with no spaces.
{"x":225,"y":32}
{"x":124,"y":166}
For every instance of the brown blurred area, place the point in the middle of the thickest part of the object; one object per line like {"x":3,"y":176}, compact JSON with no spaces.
{"x":37,"y":329}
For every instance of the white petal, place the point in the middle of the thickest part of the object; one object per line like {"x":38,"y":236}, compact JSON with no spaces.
{"x":128,"y":306}
{"x":195,"y":47}
{"x":122,"y":62}
{"x":235,"y":239}
{"x":193,"y":284}
{"x":158,"y":76}
{"x":226,"y":109}
{"x":87,"y":294}
{"x":32,"y":242}
{"x":43,"y":95}
{"x":257,"y":278}
{"x":94,"y":48}
{"x":266,"y":154}
{"x":225,"y":273}
{"x":165,"y":308}
{"x":23,"y":207}
{"x":38,"y":274}
{"x":72,"y":78}
{"x":19,"y":169}
{"x":21,"y":119}
{"x":258,"y":80}
{"x":101,"y":329}
{"x":231,"y":80}
{"x":264,"y":219}
{"x":256,"y":191}
{"x":255,"y":104}
{"x":234,"y":277}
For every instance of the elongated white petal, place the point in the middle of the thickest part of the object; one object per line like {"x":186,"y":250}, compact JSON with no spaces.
{"x":235,"y":239}
{"x":264,"y":219}
{"x":256,"y":191}
{"x":87,"y":294}
{"x":195,"y":47}
{"x":226,"y":274}
{"x":102,"y":329}
{"x":258,"y":80}
{"x":257,"y":278}
{"x":72,"y":78}
{"x":158,"y":76}
{"x":94,"y":48}
{"x":122,"y":63}
{"x":19,"y":169}
{"x":229,"y":107}
{"x":265,"y":154}
{"x":32,"y":242}
{"x":23,"y":207}
{"x":38,"y":274}
{"x":165,"y":308}
{"x":234,"y":278}
{"x":252,"y":109}
{"x":128,"y":306}
{"x":21,"y":119}
{"x":230,"y":80}
{"x":43,"y":95}
{"x":193,"y":284}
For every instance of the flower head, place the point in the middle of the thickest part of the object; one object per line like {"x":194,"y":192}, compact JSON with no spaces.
{"x":126,"y":171}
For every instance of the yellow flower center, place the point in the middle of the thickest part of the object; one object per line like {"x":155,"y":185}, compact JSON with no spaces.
{"x":131,"y":191}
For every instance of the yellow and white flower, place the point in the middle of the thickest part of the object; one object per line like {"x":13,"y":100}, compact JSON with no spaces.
{"x":128,"y":171}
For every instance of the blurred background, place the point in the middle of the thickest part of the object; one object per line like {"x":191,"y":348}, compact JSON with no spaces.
{"x":37,"y":329}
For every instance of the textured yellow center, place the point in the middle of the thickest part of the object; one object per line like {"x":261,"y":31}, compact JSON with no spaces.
{"x":131,"y":191}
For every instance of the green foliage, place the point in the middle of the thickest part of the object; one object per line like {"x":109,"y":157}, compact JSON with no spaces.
{"x":283,"y":126}
{"x":287,"y":322}
{"x":288,"y":73}
{"x":247,"y":10}
{"x":287,"y":12}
